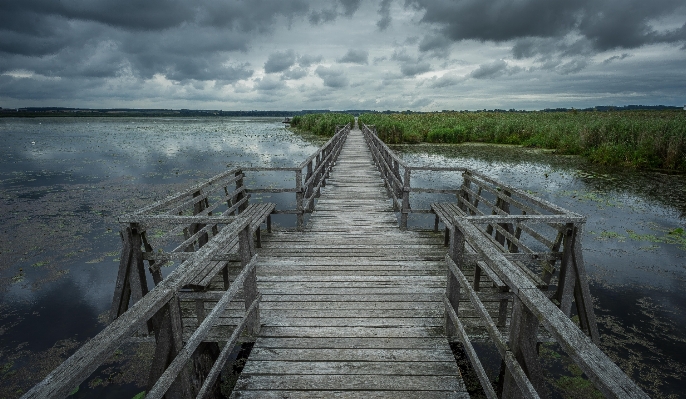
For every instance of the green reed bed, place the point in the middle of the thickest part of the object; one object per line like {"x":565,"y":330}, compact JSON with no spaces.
{"x":322,"y":124}
{"x":645,"y":139}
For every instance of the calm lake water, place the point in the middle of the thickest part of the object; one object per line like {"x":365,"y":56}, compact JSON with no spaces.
{"x":64,"y":181}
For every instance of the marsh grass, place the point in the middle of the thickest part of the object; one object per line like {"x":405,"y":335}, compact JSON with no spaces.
{"x":643,"y":139}
{"x":321,"y":124}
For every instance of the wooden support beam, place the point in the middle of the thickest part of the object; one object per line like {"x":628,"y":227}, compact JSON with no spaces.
{"x":523,"y":342}
{"x":456,"y":253}
{"x":131,"y":283}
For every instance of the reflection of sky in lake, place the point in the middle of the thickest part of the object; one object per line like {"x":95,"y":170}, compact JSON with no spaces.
{"x":63,"y":181}
{"x":145,"y":148}
{"x":636,"y":268}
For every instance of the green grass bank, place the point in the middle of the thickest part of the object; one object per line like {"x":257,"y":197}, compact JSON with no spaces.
{"x":322,"y":124}
{"x":642,"y":139}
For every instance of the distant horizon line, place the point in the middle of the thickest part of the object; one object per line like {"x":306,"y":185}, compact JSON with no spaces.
{"x":217,"y":112}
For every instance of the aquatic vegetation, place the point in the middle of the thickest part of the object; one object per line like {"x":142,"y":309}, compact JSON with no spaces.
{"x":676,"y":236}
{"x":644,"y":139}
{"x":321,"y":124}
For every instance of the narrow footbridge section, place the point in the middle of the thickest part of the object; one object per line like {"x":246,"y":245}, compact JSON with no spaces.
{"x":351,"y":303}
{"x":352,"y":306}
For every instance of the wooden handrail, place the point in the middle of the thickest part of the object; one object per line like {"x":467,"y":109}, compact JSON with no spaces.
{"x":605,"y":374}
{"x":86,"y":360}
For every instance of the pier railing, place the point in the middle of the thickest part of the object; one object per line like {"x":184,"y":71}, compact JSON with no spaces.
{"x":159,"y":310}
{"x":518,"y":259}
{"x":310,"y":176}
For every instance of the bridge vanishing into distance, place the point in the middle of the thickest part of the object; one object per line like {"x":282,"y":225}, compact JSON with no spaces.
{"x":352,"y":303}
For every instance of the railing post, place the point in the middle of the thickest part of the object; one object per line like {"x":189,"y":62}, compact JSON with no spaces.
{"x":195,"y":227}
{"x":573,"y":284}
{"x":327,"y":161}
{"x":318,"y":175}
{"x":310,"y":186}
{"x":247,"y":249}
{"x":452,"y":290}
{"x":463,"y":195}
{"x":299,"y":199}
{"x":131,"y":283}
{"x":523,"y":342}
{"x":154,"y":271}
{"x":241,"y":195}
{"x":168,"y":328}
{"x":567,"y":280}
{"x":406,"y":199}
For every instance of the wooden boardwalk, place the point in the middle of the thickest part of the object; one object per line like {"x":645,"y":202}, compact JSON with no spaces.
{"x":352,"y":306}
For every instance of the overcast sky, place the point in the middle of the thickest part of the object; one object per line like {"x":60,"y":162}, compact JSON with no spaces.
{"x":342,"y":54}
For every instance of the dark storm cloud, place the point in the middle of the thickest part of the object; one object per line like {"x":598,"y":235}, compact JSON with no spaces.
{"x":434,"y":43}
{"x":182,"y":40}
{"x":384,"y":14}
{"x":602,"y":25}
{"x":445,"y":81}
{"x":306,"y":60}
{"x":616,"y":58}
{"x":355,"y":56}
{"x":269,"y":84}
{"x":332,"y":77}
{"x":414,"y":68}
{"x":294,"y":74}
{"x":350,"y":6}
{"x":280,"y":61}
{"x":321,"y":16}
{"x":409,"y":65}
{"x":331,"y":12}
{"x":498,"y":68}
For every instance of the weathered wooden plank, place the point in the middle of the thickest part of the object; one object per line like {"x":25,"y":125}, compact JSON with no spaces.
{"x":313,"y":394}
{"x":346,"y":367}
{"x":351,"y":343}
{"x":351,"y":382}
{"x":379,"y":297}
{"x":370,"y":322}
{"x":322,"y":355}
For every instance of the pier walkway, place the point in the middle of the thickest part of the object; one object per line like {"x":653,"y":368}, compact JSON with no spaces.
{"x":352,"y":304}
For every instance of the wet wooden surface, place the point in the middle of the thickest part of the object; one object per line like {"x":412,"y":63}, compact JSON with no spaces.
{"x":352,"y":306}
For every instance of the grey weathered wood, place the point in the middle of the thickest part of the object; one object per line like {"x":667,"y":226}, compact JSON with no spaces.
{"x":567,"y":281}
{"x":167,"y":378}
{"x":340,"y":315}
{"x":597,"y":366}
{"x":82,"y":363}
{"x":122,"y":291}
{"x":224,"y":177}
{"x":582,"y":291}
{"x":471,"y":353}
{"x":523,"y":344}
{"x":228,"y":347}
{"x":514,"y":369}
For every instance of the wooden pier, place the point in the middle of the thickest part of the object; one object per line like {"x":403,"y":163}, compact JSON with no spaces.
{"x":352,"y":304}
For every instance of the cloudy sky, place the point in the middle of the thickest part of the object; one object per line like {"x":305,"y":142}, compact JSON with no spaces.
{"x":342,"y":54}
